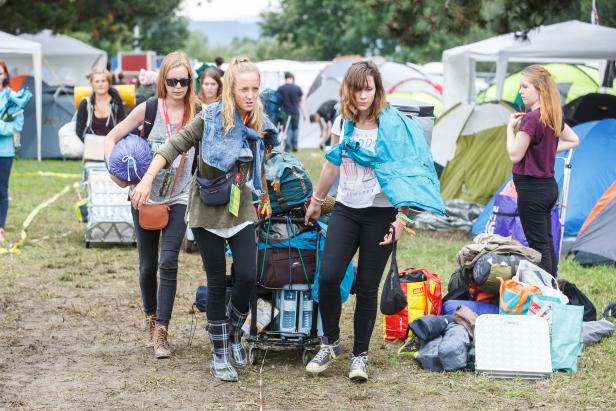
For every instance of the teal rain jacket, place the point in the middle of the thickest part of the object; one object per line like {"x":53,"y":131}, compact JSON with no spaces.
{"x":402,"y":161}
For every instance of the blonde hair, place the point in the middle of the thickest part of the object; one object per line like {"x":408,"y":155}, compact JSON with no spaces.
{"x":356,"y":79}
{"x":173,"y":60}
{"x":549,"y":97}
{"x":99,"y":70}
{"x":238,"y":66}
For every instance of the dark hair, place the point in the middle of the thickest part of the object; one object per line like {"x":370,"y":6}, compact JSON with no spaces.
{"x":356,"y":79}
{"x":214,"y":75}
{"x":313,"y":117}
{"x":288,"y":75}
{"x":7,"y":80}
{"x":218,"y":61}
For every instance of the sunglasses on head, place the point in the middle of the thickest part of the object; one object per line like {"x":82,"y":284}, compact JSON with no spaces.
{"x":183,"y":82}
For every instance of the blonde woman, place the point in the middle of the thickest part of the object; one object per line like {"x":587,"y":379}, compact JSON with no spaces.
{"x":176,"y":107}
{"x":99,"y":113}
{"x":533,"y":150}
{"x":231,"y":136}
{"x":211,"y":87}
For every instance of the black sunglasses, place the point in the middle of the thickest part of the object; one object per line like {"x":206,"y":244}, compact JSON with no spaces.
{"x":172,"y":82}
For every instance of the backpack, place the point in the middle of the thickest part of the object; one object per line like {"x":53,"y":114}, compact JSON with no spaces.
{"x":288,"y":183}
{"x":151,"y":108}
{"x":272,"y":104}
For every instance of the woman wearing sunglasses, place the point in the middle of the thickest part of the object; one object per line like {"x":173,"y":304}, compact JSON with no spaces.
{"x":176,"y":107}
{"x":231,"y":135}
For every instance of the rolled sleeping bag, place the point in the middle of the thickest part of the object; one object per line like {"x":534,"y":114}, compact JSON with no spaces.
{"x":130,"y":159}
{"x":127,"y":92}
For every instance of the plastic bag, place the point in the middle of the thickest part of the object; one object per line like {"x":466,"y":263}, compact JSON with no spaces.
{"x":577,"y":297}
{"x":130,"y":159}
{"x":531,"y":274}
{"x":566,"y":340}
{"x":393,"y":299}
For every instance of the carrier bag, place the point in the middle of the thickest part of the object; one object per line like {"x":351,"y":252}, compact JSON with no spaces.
{"x":393,"y":299}
{"x":515,"y":297}
{"x":566,"y":338}
{"x":577,"y":297}
{"x":422,"y":291}
{"x":288,"y":183}
{"x":531,"y":274}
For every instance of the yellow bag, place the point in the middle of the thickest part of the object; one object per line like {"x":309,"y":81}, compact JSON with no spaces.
{"x":127,"y":92}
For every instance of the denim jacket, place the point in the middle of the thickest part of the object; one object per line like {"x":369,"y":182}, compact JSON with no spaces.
{"x":402,"y":161}
{"x":222,"y":150}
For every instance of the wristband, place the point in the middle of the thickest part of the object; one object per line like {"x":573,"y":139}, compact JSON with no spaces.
{"x":317,"y":200}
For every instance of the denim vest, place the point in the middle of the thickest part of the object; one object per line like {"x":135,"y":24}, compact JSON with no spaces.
{"x":402,"y":161}
{"x":222,"y":150}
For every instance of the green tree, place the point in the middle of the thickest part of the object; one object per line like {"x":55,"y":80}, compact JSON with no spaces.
{"x":166,"y":35}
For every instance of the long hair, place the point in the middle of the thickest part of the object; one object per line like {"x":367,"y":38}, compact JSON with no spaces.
{"x":172,"y":60}
{"x":549,"y":97}
{"x":214,"y":75}
{"x":238,"y":66}
{"x":356,"y":79}
{"x":7,"y":80}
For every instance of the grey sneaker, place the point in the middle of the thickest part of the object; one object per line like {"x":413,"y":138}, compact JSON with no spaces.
{"x":357,"y":371}
{"x":326,"y":355}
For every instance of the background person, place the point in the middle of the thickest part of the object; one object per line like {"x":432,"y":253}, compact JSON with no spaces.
{"x":176,"y":107}
{"x":233,"y":124}
{"x":325,"y":115}
{"x":106,"y":108}
{"x":363,"y":215}
{"x":533,"y":149}
{"x":219,"y":61}
{"x":211,"y":87}
{"x":292,"y":104}
{"x":7,"y":147}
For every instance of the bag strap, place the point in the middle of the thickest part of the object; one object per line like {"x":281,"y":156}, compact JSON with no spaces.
{"x":175,"y":179}
{"x":151,"y":108}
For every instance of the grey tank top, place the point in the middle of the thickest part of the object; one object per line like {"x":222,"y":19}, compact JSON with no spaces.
{"x":161,"y":186}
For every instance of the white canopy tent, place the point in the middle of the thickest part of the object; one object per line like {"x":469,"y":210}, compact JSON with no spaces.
{"x":571,"y":41}
{"x":12,"y":49}
{"x":66,"y":60}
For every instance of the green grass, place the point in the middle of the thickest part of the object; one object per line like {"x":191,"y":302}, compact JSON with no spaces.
{"x":83,"y":307}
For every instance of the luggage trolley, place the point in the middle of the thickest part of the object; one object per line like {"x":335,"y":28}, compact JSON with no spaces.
{"x":297,"y":324}
{"x":109,"y":213}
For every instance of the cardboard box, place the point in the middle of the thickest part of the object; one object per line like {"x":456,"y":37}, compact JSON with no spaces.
{"x":94,"y":148}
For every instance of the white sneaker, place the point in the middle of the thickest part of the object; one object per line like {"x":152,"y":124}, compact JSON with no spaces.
{"x":357,"y":371}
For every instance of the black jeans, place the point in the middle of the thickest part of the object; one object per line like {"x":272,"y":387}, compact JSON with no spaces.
{"x":350,"y":229}
{"x":536,"y":198}
{"x":159,"y":298}
{"x":244,"y":249}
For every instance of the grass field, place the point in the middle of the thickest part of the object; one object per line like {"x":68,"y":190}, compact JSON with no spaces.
{"x":71,"y":330}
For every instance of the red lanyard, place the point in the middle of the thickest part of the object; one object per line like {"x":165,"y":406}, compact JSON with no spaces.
{"x":168,"y":124}
{"x":245,"y":118}
{"x":238,"y":175}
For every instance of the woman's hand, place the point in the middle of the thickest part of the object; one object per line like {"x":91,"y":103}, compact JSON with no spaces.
{"x":313,"y":212}
{"x":141,"y":194}
{"x":391,"y":236}
{"x":514,"y":119}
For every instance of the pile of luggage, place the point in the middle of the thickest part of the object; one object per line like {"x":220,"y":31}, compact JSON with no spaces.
{"x":497,"y":298}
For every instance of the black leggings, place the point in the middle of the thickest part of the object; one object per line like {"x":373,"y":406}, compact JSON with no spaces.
{"x":244,"y":249}
{"x":536,"y":198}
{"x":159,"y":298}
{"x":349,"y":229}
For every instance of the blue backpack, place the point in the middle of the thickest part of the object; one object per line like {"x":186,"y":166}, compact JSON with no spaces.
{"x":288,"y":183}
{"x":272,"y":104}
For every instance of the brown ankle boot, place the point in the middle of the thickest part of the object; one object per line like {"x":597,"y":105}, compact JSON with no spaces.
{"x":161,"y":343}
{"x":150,"y":322}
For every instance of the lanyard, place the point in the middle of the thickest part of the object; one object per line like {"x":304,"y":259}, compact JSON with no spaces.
{"x":238,"y":175}
{"x":245,"y":118}
{"x":168,"y":124}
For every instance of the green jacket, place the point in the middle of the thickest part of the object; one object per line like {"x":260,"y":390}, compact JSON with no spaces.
{"x":197,"y":213}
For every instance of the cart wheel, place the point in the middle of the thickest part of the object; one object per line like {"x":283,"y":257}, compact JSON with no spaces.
{"x":87,"y":244}
{"x":306,"y":356}
{"x":252,"y":355}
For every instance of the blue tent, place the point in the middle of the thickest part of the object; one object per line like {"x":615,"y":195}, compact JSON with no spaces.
{"x":593,"y":170}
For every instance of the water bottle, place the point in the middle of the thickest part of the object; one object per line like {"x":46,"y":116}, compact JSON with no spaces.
{"x":306,"y":312}
{"x":288,"y":309}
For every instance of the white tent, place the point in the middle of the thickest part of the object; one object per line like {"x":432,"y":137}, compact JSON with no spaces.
{"x":66,"y":60}
{"x":13,"y":49}
{"x":572,"y":41}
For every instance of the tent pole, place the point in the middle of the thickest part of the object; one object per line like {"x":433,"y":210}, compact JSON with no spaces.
{"x":38,"y":92}
{"x":565,"y":196}
{"x":501,"y":73}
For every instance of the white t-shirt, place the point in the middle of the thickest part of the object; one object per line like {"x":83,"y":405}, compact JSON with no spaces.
{"x":358,"y":186}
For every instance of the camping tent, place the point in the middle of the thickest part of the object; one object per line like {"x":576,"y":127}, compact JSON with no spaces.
{"x":468,"y":143}
{"x":573,"y":81}
{"x":66,"y":60}
{"x":593,"y":170}
{"x":571,"y":41}
{"x":591,"y":107}
{"x":12,"y":49}
{"x":595,"y":242}
{"x":405,"y":98}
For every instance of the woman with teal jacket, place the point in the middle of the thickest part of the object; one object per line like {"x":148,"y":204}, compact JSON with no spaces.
{"x":8,"y":128}
{"x":385,"y":167}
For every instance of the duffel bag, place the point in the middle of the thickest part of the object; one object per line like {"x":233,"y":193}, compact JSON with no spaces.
{"x":288,"y":183}
{"x":281,"y":266}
